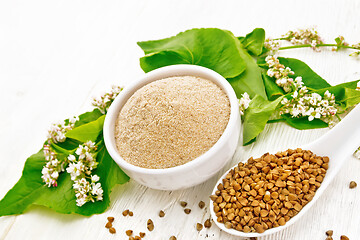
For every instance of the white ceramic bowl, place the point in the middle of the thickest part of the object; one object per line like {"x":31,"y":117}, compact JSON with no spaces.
{"x":195,"y":171}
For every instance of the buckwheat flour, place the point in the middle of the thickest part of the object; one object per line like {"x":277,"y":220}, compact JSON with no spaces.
{"x":171,"y":121}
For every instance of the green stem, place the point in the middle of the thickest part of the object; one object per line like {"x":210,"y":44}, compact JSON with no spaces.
{"x":276,"y":120}
{"x":318,"y":45}
{"x":282,"y":38}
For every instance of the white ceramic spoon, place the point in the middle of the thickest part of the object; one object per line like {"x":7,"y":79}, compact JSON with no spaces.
{"x":338,"y":144}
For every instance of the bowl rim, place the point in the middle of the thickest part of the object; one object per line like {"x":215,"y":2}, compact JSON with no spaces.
{"x":158,"y":74}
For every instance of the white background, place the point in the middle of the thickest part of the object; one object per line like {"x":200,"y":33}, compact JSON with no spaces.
{"x":56,"y":55}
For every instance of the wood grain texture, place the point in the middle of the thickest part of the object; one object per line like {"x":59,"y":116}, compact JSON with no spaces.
{"x":55,"y":55}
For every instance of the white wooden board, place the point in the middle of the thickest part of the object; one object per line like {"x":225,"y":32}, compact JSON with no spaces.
{"x":56,"y":55}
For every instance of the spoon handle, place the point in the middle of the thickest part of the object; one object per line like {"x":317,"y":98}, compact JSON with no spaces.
{"x":343,"y":139}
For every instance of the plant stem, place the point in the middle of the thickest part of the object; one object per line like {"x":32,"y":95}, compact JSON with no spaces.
{"x":282,"y":38}
{"x":276,"y":120}
{"x":318,"y":45}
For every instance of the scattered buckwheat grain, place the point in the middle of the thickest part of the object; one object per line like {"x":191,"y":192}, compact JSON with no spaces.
{"x":201,"y":204}
{"x":187,"y":210}
{"x":352,"y":185}
{"x":183,"y":204}
{"x":161,"y":213}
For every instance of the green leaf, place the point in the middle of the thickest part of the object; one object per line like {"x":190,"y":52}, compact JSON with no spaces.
{"x":208,"y":47}
{"x":345,"y":94}
{"x":303,"y":123}
{"x":62,"y":198}
{"x":88,"y":131}
{"x":338,"y":41}
{"x":350,"y":99}
{"x":256,"y":117}
{"x":250,"y":80}
{"x":27,"y":189}
{"x":310,"y":79}
{"x":88,"y":117}
{"x":254,"y":41}
{"x":273,"y":91}
{"x":66,"y":147}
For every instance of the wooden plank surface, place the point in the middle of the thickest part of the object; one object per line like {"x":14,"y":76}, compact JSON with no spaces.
{"x":56,"y":55}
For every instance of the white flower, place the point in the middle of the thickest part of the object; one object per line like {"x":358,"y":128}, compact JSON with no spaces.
{"x":90,"y":145}
{"x":304,"y":36}
{"x":75,"y":170}
{"x":295,"y":112}
{"x":95,"y":178}
{"x":272,"y":45}
{"x":103,"y":103}
{"x":76,"y":186}
{"x":313,"y":44}
{"x":86,"y":186}
{"x":270,"y":72}
{"x":71,"y":158}
{"x":96,"y":189}
{"x":295,"y":94}
{"x":327,"y":94}
{"x":81,"y":201}
{"x":284,"y":101}
{"x":57,"y":131}
{"x":358,"y":86}
{"x":244,"y":102}
{"x":55,"y":175}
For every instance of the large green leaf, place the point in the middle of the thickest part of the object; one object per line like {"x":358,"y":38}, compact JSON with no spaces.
{"x":208,"y":47}
{"x":250,"y":80}
{"x":256,"y":117}
{"x":254,"y":41}
{"x":27,"y":189}
{"x":88,"y":131}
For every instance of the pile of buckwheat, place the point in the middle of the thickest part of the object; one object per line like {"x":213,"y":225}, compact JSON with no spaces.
{"x":266,"y":192}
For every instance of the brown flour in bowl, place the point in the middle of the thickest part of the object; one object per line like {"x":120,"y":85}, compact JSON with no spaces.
{"x":171,"y":121}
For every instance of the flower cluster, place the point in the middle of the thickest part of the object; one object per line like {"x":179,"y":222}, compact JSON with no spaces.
{"x":54,"y":166}
{"x":311,"y":105}
{"x":302,"y":103}
{"x":244,"y":102}
{"x":304,"y":36}
{"x":87,"y":187}
{"x":281,"y":74}
{"x":341,"y":41}
{"x":272,"y":45}
{"x":57,"y":131}
{"x":103,"y":103}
